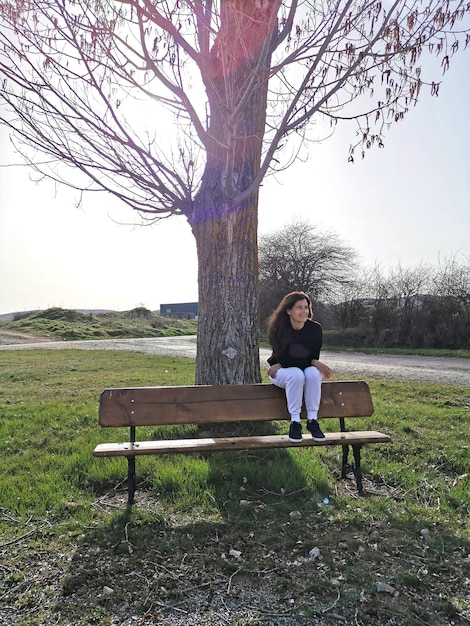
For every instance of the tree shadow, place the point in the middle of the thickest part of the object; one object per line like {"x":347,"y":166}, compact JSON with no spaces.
{"x":244,"y":562}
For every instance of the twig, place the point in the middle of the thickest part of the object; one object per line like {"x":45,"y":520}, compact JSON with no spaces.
{"x":355,"y":617}
{"x":101,"y":501}
{"x":230,"y":580}
{"x":9,"y":517}
{"x":334,"y":603}
{"x":208,"y":583}
{"x":130,"y":547}
{"x":285,"y":494}
{"x":102,"y":505}
{"x":227,"y":621}
{"x":159,"y":566}
{"x":9,"y":543}
{"x":173,"y":607}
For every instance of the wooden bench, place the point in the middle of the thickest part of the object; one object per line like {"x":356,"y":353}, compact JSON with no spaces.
{"x":203,"y":405}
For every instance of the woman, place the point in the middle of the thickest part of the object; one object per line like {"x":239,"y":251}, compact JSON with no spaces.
{"x":296,"y":341}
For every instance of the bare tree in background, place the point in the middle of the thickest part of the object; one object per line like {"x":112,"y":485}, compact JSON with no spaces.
{"x":183,"y":107}
{"x":450,"y":313}
{"x":301,"y":257}
{"x":417,"y":307}
{"x":409,"y":286}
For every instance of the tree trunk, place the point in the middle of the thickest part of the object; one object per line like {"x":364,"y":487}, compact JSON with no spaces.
{"x":226,"y":231}
{"x":228,"y":330}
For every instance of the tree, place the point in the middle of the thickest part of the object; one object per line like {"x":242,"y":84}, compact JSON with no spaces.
{"x":91,"y":85}
{"x":300,"y":257}
{"x":418,"y":307}
{"x":410,"y":286}
{"x":449,"y":308}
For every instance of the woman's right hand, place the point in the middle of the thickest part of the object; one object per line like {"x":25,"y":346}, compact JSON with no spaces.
{"x":272,"y":371}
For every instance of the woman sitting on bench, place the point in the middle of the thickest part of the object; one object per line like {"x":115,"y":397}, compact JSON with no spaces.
{"x":296,"y":341}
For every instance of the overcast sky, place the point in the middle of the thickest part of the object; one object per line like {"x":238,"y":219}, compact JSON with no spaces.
{"x":407,"y":203}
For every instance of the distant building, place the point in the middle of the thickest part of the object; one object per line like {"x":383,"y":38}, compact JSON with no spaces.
{"x":182,"y":310}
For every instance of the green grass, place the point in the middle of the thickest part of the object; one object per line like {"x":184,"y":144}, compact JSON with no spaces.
{"x":49,"y":420}
{"x":67,"y":533}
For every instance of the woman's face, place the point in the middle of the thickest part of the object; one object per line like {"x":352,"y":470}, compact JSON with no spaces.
{"x":298,"y":313}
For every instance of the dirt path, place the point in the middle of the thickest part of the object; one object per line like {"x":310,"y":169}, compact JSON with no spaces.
{"x":445,"y":370}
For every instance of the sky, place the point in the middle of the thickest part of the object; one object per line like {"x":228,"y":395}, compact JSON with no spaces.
{"x":407,"y":203}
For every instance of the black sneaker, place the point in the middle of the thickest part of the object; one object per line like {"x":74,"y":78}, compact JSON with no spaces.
{"x":314,"y":428}
{"x":295,"y":432}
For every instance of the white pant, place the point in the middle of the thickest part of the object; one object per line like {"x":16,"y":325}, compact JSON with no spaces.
{"x":298,"y":383}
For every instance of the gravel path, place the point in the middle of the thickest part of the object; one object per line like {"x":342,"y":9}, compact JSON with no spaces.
{"x":445,"y":370}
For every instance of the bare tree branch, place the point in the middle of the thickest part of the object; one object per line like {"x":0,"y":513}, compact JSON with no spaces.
{"x":182,"y":107}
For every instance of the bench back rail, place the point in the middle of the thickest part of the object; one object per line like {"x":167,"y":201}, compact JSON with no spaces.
{"x":206,"y":404}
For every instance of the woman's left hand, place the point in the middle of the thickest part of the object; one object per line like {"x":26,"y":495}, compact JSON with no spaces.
{"x":323,"y":368}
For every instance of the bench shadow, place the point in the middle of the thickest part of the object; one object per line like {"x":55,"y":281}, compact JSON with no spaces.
{"x":245,"y":480}
{"x":255,"y":484}
{"x":261,"y":498}
{"x":255,"y":493}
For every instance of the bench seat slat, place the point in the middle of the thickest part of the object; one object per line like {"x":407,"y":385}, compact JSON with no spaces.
{"x":175,"y":446}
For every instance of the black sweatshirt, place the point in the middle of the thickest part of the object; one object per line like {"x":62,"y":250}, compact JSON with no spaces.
{"x":303,"y":346}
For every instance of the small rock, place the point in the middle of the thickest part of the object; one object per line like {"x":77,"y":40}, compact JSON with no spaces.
{"x":107,"y":591}
{"x":235,"y":553}
{"x":314,"y":553}
{"x":385,"y":588}
{"x":295,"y":514}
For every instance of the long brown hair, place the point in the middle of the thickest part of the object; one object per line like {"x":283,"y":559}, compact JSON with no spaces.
{"x":279,"y":326}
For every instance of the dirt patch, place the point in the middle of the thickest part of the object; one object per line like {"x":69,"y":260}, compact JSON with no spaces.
{"x":9,"y":337}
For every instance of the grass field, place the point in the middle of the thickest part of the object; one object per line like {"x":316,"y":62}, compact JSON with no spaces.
{"x":311,"y":550}
{"x":69,"y":324}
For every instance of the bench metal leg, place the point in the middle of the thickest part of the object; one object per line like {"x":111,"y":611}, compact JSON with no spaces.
{"x":344,"y":464}
{"x":357,"y":467}
{"x":130,"y":479}
{"x":131,"y":470}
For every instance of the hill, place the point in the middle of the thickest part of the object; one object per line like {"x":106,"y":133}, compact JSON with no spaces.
{"x":70,"y":324}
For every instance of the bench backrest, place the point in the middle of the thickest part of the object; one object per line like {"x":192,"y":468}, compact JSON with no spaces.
{"x":150,"y":406}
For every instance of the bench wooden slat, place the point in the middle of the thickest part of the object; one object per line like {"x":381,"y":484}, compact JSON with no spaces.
{"x":175,"y":446}
{"x":150,"y":406}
